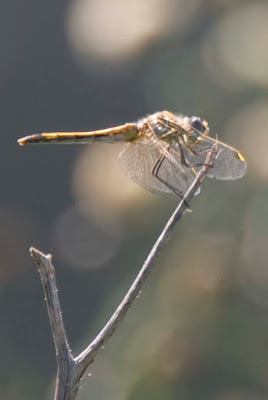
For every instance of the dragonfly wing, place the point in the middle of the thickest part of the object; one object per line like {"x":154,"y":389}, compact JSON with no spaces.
{"x":138,"y":159}
{"x":229,"y":163}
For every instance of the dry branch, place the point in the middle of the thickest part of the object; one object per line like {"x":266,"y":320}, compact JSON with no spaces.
{"x":70,"y":370}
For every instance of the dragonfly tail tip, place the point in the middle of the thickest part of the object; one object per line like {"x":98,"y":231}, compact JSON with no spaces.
{"x":21,"y":142}
{"x":32,"y":139}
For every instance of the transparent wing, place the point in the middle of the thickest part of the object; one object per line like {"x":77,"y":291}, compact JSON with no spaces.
{"x":138,"y":159}
{"x":228,"y":164}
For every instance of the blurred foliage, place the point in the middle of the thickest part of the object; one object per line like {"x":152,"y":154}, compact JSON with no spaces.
{"x":200,"y":327}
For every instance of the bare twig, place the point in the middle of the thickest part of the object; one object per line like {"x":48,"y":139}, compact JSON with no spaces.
{"x":70,"y":369}
{"x":65,"y":361}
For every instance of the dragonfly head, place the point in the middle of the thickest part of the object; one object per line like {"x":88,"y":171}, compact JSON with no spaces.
{"x":198,"y":127}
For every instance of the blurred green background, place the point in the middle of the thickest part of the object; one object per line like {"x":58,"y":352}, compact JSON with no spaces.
{"x":199,"y":329}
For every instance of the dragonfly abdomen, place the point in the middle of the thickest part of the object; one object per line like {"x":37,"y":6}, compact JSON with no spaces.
{"x":122,"y":133}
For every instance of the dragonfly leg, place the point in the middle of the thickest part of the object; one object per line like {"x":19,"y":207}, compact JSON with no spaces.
{"x":174,"y":128}
{"x":199,"y":152}
{"x":192,"y":165}
{"x":155,"y":173}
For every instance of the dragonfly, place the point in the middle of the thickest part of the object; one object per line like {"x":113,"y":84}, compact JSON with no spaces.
{"x":164,"y":153}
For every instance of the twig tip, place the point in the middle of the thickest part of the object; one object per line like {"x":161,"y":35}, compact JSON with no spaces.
{"x":37,"y":254}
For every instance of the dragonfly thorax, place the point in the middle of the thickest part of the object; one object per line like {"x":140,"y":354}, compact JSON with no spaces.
{"x":159,"y":128}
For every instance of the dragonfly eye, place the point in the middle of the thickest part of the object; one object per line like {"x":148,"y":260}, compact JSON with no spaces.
{"x":200,"y":126}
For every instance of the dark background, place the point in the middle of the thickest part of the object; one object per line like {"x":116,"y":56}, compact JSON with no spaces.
{"x":199,"y":329}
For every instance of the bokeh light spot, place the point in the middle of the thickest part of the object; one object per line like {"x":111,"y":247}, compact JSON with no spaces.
{"x":235,"y":50}
{"x":118,"y":31}
{"x":81,"y":242}
{"x":249,"y":128}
